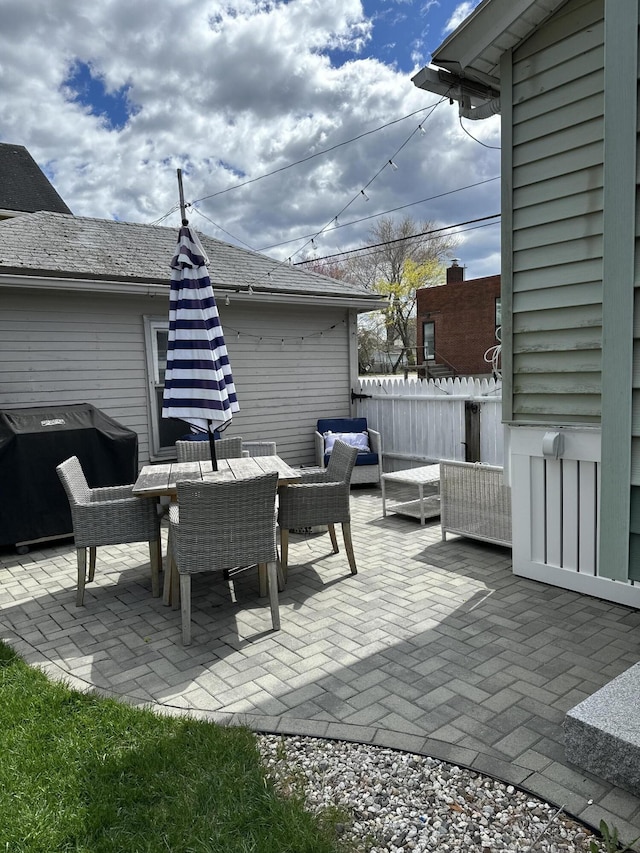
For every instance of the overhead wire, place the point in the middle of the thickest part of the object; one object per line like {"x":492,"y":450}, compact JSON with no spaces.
{"x":475,"y":139}
{"x":384,"y":212}
{"x":224,"y":230}
{"x":310,"y":239}
{"x":385,"y":243}
{"x":362,"y":191}
{"x":314,"y":155}
{"x":389,"y":162}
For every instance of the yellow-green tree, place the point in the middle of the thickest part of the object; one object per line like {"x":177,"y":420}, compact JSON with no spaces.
{"x":404,"y":256}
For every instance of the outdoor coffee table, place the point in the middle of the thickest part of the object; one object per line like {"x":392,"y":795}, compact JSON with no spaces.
{"x":426,"y":506}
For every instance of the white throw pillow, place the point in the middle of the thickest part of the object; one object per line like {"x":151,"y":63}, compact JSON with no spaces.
{"x":354,"y":439}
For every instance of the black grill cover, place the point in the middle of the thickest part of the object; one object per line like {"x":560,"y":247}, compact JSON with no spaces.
{"x":33,"y":503}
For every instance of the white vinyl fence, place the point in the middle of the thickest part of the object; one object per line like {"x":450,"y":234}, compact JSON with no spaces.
{"x":425,"y":421}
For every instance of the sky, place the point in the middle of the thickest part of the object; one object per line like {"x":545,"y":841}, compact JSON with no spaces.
{"x":295,"y":124}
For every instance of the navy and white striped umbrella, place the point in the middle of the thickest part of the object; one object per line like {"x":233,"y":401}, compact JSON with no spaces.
{"x":198,"y":385}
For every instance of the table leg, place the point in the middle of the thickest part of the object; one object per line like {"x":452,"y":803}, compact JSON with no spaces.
{"x":421,"y":496}
{"x":384,"y":502}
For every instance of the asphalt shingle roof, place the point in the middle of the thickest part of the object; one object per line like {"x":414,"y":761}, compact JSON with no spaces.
{"x":53,"y":244}
{"x":23,"y":185}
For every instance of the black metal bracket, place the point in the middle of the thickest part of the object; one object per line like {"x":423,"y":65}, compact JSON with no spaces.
{"x":355,"y":396}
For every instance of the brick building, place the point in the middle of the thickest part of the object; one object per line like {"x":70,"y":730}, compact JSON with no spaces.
{"x":456,"y":325}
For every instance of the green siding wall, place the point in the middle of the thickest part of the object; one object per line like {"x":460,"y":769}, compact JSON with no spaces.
{"x":556,"y":171}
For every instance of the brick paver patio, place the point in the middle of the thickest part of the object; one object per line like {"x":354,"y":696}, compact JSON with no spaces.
{"x":434,"y":647}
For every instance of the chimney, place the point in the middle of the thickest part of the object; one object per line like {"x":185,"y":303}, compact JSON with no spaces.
{"x":455,"y":273}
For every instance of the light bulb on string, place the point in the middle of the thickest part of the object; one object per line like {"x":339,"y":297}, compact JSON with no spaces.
{"x":250,"y":290}
{"x":227,"y":301}
{"x":393,"y":165}
{"x":363,"y":193}
{"x":423,"y":132}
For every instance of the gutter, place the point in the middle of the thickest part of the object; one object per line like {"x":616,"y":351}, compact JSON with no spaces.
{"x":476,"y":100}
{"x":154,"y":289}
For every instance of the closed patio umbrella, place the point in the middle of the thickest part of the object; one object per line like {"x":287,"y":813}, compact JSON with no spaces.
{"x":198,"y":386}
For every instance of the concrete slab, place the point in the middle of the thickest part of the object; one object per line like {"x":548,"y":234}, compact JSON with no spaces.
{"x":602,"y":733}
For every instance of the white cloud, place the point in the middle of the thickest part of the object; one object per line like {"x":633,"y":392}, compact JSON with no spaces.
{"x":462,"y":11}
{"x":228,"y":92}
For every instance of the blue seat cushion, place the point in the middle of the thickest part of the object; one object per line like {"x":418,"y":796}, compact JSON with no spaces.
{"x":361,"y":459}
{"x":347,"y":425}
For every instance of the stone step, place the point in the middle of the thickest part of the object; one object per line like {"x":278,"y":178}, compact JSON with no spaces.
{"x":436,"y":371}
{"x":602,"y":733}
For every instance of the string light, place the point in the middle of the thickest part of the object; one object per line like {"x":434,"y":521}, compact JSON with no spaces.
{"x":282,"y":339}
{"x":393,"y":165}
{"x":227,"y":301}
{"x":362,"y":192}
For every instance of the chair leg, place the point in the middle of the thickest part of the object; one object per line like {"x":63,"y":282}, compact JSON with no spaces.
{"x":175,"y":585}
{"x":334,"y":541}
{"x":155,"y":558}
{"x":185,"y":608}
{"x":348,"y":546}
{"x":81,"y":554}
{"x":262,"y":579}
{"x":92,"y":562}
{"x":284,"y":553}
{"x":273,"y":595}
{"x":166,"y":589}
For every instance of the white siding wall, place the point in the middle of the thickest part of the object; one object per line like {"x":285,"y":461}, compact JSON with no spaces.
{"x":556,"y":512}
{"x":556,"y":258}
{"x":291,"y":364}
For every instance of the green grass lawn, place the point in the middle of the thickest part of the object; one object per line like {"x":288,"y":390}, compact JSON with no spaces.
{"x":91,"y":775}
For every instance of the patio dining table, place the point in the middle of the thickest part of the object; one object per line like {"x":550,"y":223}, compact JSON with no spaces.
{"x":161,"y":481}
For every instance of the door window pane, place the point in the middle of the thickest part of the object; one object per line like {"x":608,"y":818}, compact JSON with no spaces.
{"x":429,"y":340}
{"x":163,"y":432}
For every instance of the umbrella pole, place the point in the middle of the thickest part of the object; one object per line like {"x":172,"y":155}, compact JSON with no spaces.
{"x":212,"y":446}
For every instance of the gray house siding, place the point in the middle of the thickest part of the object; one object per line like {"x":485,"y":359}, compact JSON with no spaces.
{"x":555,"y":180}
{"x":72,"y":348}
{"x":291,"y":364}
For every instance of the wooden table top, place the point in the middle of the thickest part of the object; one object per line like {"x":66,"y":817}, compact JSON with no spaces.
{"x":160,"y":480}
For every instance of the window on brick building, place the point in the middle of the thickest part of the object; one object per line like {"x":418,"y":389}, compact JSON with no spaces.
{"x":429,"y":341}
{"x":498,"y":312}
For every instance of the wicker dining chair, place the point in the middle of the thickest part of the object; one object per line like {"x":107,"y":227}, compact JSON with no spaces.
{"x":259,"y":448}
{"x":319,"y":498}
{"x":217,"y":526}
{"x":108,"y":515}
{"x":200,"y":451}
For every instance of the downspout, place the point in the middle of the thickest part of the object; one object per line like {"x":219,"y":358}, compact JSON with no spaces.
{"x":486,"y":110}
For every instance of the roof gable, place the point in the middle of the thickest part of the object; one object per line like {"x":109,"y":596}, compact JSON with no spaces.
{"x":24,"y":188}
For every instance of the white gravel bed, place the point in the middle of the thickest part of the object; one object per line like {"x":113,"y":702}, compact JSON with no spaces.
{"x":396,"y":802}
